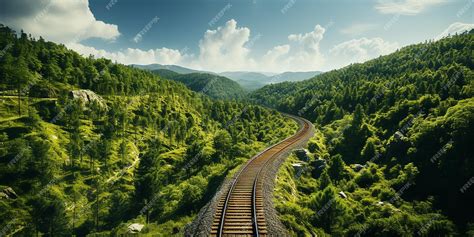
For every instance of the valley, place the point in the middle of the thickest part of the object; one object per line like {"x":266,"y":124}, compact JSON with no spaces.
{"x":92,"y":146}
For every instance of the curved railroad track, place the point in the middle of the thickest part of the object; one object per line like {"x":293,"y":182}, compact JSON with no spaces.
{"x":240,"y":212}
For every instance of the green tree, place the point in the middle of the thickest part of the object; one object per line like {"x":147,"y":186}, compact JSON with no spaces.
{"x":336,"y":168}
{"x":223,"y":144}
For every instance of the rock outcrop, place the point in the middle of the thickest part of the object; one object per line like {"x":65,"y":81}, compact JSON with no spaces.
{"x":87,"y":97}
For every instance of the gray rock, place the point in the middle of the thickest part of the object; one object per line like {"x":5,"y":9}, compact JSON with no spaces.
{"x":10,"y":193}
{"x":3,"y":195}
{"x":302,"y":154}
{"x":319,"y":162}
{"x":298,"y":167}
{"x":357,"y":167}
{"x":398,"y":135}
{"x":135,"y":228}
{"x":87,"y":97}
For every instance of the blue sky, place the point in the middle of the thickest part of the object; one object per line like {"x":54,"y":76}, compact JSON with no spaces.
{"x":252,"y":35}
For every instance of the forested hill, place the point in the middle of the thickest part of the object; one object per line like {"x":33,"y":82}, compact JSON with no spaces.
{"x":215,"y":86}
{"x":396,"y":134}
{"x":439,"y":67}
{"x":89,"y":146}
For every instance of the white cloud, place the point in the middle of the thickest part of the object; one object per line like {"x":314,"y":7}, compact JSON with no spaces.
{"x":273,"y":59}
{"x":134,"y":56}
{"x":62,"y":21}
{"x":301,"y":54}
{"x":360,"y":50}
{"x":405,"y":7}
{"x":224,"y":48}
{"x":358,"y":29}
{"x":455,"y":28}
{"x":305,"y":53}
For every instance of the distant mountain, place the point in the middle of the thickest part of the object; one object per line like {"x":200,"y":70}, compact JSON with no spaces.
{"x":174,"y":68}
{"x":293,"y":76}
{"x":215,"y":86}
{"x":245,"y":76}
{"x":250,"y":81}
{"x":255,"y":80}
{"x":165,"y":73}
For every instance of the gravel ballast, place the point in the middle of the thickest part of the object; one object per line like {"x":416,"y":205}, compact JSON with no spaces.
{"x":201,"y":225}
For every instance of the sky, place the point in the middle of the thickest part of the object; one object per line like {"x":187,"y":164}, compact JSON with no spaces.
{"x":239,"y":35}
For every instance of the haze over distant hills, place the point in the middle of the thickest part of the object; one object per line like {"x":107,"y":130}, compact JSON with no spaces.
{"x":174,"y":68}
{"x":248,"y":80}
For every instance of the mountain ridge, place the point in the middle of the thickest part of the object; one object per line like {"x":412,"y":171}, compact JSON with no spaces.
{"x":249,"y":80}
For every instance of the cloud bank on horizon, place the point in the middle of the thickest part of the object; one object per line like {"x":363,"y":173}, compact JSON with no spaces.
{"x":225,"y":47}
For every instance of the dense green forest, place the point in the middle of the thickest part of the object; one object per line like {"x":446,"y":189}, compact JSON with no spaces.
{"x":89,"y":146}
{"x":394,"y":135}
{"x":215,"y":86}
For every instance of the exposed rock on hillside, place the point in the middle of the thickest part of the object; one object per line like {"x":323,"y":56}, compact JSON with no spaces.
{"x":87,"y":97}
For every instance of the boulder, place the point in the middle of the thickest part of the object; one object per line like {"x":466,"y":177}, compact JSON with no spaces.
{"x":87,"y":97}
{"x":357,"y":167}
{"x":319,"y":166}
{"x":135,"y":228}
{"x":10,"y":193}
{"x":398,"y":135}
{"x":319,"y":162}
{"x":298,"y":167}
{"x":302,"y":154}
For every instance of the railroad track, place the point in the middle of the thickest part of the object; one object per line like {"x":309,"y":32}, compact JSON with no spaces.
{"x":240,"y":212}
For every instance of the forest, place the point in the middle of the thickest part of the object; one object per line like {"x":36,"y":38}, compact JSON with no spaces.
{"x":392,"y":155}
{"x":217,"y":87}
{"x":90,"y":146}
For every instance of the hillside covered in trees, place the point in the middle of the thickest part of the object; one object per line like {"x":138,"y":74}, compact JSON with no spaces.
{"x":393,"y":153}
{"x":215,"y":86}
{"x":90,"y":146}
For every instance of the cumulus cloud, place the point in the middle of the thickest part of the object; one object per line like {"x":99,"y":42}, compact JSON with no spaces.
{"x":224,"y":48}
{"x":360,"y":50}
{"x":302,"y":53}
{"x":62,"y":21}
{"x":455,"y":28}
{"x":274,"y":58}
{"x":134,"y":56}
{"x":305,"y":52}
{"x":405,"y":7}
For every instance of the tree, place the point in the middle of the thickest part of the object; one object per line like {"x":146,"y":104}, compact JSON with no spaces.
{"x":324,"y":180}
{"x":336,"y":168}
{"x":75,"y":142}
{"x":329,"y":211}
{"x":223,"y":144}
{"x":18,"y":75}
{"x":49,"y":215}
{"x":358,"y":117}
